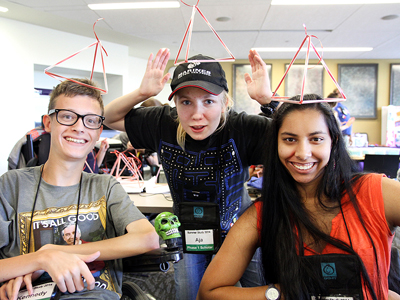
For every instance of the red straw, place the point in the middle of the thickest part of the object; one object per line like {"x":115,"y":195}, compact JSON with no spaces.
{"x":94,"y":62}
{"x":189,"y":30}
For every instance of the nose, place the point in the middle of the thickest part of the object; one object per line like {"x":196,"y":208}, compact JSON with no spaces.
{"x":303,"y":150}
{"x":197,"y":112}
{"x":78,"y":126}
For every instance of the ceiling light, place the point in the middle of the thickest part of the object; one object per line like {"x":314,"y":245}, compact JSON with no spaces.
{"x":223,"y":19}
{"x":3,"y":9}
{"x":390,"y":17}
{"x":325,"y":49}
{"x":330,"y":2}
{"x":135,"y":5}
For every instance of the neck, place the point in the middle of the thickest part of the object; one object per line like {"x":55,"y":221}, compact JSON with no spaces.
{"x":62,"y":173}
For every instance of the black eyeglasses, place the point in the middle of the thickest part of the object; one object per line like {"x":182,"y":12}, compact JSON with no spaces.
{"x":68,"y":118}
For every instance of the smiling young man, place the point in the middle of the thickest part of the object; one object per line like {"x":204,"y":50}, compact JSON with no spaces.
{"x":37,"y":203}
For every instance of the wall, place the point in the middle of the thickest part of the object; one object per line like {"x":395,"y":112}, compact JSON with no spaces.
{"x":22,"y":47}
{"x":370,"y":126}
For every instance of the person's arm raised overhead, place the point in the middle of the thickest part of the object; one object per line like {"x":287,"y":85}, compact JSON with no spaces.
{"x":152,"y":83}
{"x":258,"y":85}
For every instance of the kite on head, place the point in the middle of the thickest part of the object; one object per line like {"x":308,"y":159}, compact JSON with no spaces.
{"x":97,"y":44}
{"x":190,"y":29}
{"x":309,"y":45}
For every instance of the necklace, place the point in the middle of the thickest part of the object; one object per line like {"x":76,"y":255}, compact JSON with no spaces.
{"x":34,"y":204}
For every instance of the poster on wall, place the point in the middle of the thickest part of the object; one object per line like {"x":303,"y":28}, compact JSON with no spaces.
{"x":313,"y":83}
{"x":395,"y":84}
{"x":241,"y":99}
{"x":359,"y":83}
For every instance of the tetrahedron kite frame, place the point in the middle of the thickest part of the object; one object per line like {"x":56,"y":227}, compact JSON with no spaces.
{"x":189,"y":30}
{"x":321,"y":60}
{"x":97,"y":44}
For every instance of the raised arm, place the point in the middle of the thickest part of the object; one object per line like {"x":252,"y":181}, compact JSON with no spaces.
{"x":258,"y":85}
{"x":102,"y":152}
{"x":152,"y":83}
{"x":231,"y":261}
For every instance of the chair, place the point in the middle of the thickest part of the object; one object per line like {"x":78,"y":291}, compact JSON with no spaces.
{"x":36,"y":151}
{"x":387,"y":164}
{"x":152,"y":261}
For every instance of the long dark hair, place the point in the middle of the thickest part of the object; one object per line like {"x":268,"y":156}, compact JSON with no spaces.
{"x":285,"y":219}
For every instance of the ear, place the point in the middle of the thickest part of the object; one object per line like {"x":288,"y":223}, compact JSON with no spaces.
{"x":47,"y":123}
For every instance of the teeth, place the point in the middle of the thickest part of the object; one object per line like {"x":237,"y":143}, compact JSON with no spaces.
{"x":69,"y":139}
{"x":172,"y":231}
{"x":303,"y":166}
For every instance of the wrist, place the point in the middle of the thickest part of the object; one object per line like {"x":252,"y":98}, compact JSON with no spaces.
{"x":270,"y":108}
{"x":272,"y":292}
{"x":265,"y":99}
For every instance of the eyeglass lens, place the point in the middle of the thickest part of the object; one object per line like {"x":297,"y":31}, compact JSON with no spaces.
{"x":66,"y":117}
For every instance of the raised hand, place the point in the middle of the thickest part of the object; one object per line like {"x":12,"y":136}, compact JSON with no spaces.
{"x":154,"y":79}
{"x":258,"y":85}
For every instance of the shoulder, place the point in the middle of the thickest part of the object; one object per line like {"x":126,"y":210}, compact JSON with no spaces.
{"x":368,"y":184}
{"x":27,"y":174}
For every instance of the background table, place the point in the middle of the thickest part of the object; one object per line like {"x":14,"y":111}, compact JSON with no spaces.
{"x":152,"y":203}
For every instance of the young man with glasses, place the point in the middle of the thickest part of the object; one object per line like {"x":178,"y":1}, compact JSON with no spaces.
{"x":37,"y":203}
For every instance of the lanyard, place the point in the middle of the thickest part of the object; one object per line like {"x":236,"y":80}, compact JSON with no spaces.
{"x":34,"y":204}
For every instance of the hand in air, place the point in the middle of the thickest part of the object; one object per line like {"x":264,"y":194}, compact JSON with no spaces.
{"x":104,"y":145}
{"x":154,"y":79}
{"x":258,"y":85}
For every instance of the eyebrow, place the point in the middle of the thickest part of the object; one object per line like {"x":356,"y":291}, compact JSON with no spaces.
{"x":311,"y":134}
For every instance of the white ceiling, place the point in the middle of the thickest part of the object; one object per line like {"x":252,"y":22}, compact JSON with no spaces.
{"x":253,"y":23}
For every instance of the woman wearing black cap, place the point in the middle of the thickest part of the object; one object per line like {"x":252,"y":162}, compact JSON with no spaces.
{"x":205,"y":148}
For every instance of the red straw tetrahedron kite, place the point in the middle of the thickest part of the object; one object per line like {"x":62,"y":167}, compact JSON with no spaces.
{"x":309,"y":45}
{"x":97,"y":44}
{"x":188,"y":34}
{"x":130,"y":161}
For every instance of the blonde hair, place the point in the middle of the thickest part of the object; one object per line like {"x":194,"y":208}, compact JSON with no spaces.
{"x":226,"y":102}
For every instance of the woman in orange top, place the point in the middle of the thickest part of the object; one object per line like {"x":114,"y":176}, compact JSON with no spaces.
{"x":325,"y":229}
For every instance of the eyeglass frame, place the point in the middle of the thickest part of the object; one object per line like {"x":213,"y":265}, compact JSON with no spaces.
{"x":56,"y":111}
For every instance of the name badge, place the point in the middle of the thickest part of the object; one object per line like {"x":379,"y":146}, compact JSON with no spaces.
{"x":45,"y":291}
{"x":199,"y":240}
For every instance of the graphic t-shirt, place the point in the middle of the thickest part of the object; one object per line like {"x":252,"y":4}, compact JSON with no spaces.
{"x":104,"y":212}
{"x":212,"y":170}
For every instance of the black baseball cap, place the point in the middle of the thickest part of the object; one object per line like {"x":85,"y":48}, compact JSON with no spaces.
{"x":208,"y":76}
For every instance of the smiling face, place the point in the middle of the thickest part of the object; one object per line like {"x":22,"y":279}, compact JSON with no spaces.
{"x":304,"y":146}
{"x":73,"y":143}
{"x":69,"y":233}
{"x":199,"y":112}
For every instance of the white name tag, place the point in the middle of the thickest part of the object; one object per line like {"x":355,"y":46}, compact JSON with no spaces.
{"x":199,"y":240}
{"x":42,"y":291}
